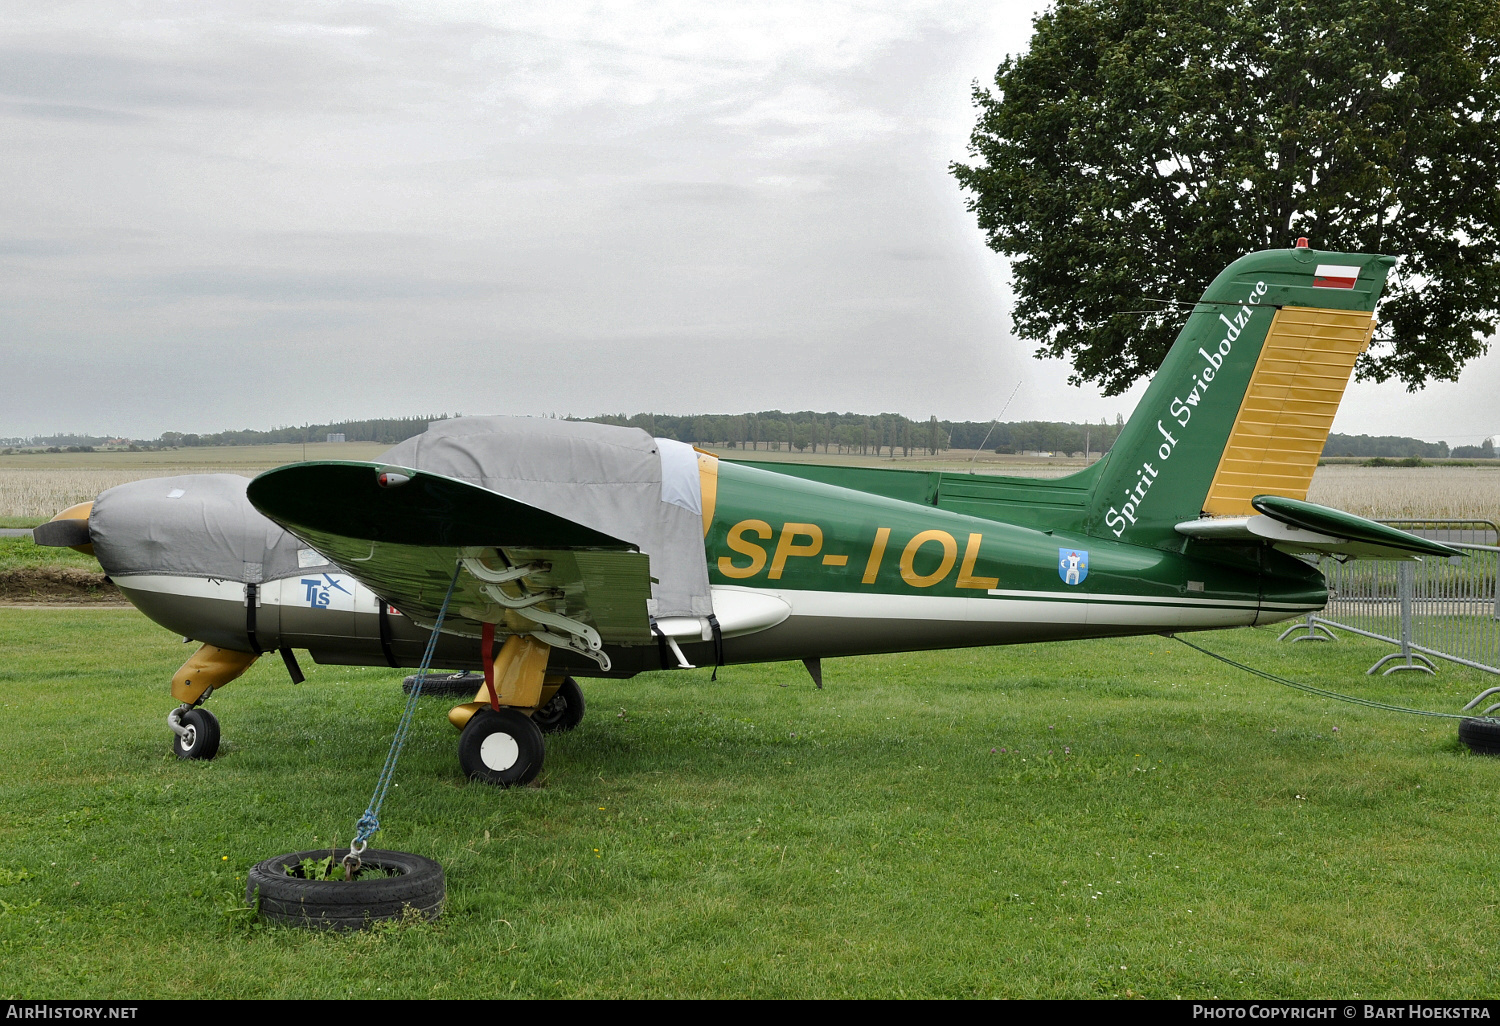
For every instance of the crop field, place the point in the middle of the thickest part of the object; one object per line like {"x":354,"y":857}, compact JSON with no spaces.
{"x":34,"y":486}
{"x":1446,"y":493}
{"x":1116,"y":818}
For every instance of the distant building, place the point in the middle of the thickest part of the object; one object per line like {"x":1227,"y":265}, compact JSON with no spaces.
{"x":339,"y":437}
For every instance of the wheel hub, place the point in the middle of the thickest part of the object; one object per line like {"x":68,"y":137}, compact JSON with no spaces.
{"x":499,"y":751}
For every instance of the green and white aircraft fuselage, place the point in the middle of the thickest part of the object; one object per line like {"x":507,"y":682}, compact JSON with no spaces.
{"x":868,"y":573}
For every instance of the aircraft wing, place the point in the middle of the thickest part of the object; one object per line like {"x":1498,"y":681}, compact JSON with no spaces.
{"x":402,"y":532}
{"x":1305,"y":528}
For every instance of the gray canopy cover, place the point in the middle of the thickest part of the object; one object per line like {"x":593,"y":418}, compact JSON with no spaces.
{"x":607,"y":478}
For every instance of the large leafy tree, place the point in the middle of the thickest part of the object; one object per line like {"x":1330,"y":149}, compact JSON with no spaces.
{"x":1141,"y":145}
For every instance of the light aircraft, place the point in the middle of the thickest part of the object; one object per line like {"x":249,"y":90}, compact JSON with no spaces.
{"x":556,"y":550}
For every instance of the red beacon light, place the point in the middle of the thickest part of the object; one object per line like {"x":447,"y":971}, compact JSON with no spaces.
{"x":1302,"y":242}
{"x":391,"y":479}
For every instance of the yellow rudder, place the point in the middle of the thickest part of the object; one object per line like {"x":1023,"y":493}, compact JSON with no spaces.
{"x":1289,"y":406}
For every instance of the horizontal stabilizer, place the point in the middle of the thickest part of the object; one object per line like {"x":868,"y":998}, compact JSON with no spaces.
{"x":1299,"y":527}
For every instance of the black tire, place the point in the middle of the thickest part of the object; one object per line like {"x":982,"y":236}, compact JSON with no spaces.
{"x":416,"y":884}
{"x":202,"y":741}
{"x":501,"y":747}
{"x":563,"y":711}
{"x":446,"y":684}
{"x":1482,"y":736}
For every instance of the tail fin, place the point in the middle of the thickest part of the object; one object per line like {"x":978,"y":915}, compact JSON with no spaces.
{"x":1244,"y":400}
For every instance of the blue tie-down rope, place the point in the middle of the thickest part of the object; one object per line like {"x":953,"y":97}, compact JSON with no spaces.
{"x":370,"y":821}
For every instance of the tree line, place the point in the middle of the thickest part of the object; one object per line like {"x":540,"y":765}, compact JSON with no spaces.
{"x":1397,"y":447}
{"x":387,"y":430}
{"x":885,"y":434}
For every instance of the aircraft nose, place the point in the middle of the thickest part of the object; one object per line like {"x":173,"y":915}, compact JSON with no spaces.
{"x":193,"y":525}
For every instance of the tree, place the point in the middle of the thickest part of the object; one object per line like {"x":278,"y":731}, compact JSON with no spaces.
{"x":1142,"y":145}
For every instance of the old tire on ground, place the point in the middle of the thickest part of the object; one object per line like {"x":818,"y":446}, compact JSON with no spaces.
{"x":1482,"y":736}
{"x":446,"y":684}
{"x":416,"y":887}
{"x":501,"y":747}
{"x":563,"y":711}
{"x":202,"y":739}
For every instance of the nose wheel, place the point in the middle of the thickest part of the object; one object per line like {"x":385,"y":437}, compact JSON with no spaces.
{"x":197,"y":733}
{"x":501,"y":747}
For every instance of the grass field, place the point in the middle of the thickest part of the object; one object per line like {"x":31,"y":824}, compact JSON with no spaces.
{"x":1091,"y":819}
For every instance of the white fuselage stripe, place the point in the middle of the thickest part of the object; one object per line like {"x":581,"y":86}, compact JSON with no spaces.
{"x":285,"y":591}
{"x":1098,"y":610}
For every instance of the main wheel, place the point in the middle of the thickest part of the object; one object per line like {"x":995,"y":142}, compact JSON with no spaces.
{"x":503,"y":748}
{"x":563,"y":711}
{"x":202,"y":738}
{"x":392,"y":885}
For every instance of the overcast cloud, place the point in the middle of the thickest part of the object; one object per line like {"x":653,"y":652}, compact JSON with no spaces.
{"x":237,"y":214}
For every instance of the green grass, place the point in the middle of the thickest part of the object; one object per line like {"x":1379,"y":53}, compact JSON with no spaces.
{"x":24,"y":522}
{"x":1090,"y":819}
{"x":23,"y":553}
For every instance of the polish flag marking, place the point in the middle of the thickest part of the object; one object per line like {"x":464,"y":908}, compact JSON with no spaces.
{"x":1335,"y":276}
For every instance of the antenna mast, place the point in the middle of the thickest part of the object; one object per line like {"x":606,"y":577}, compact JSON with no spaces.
{"x":992,"y":425}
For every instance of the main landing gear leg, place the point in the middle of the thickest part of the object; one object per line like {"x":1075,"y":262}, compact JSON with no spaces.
{"x":196,"y":729}
{"x":500,"y":744}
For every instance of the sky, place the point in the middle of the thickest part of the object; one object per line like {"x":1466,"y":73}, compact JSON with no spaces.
{"x":248,"y":214}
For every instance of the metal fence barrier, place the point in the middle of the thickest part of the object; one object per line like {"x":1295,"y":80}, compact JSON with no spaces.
{"x":1447,"y":609}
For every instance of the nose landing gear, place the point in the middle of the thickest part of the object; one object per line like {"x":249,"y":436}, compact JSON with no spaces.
{"x":196,"y":729}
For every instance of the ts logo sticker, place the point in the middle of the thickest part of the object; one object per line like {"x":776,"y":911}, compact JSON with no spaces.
{"x":1072,"y":565}
{"x":321,"y":594}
